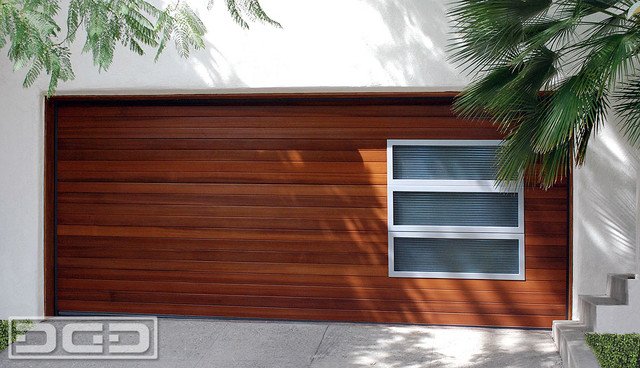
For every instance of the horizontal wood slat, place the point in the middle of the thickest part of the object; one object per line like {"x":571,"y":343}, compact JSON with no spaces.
{"x":362,"y":155}
{"x":226,"y":189}
{"x":260,"y":268}
{"x":306,"y":291}
{"x":226,"y":200}
{"x":278,"y":133}
{"x":386,"y":304}
{"x":222,"y":144}
{"x":265,"y":122}
{"x":233,"y":166}
{"x":223,"y":211}
{"x":264,"y":207}
{"x":225,"y":177}
{"x":473,"y":319}
{"x":248,"y":110}
{"x":187,"y":244}
{"x":226,"y":222}
{"x":408,"y":286}
{"x":274,"y":256}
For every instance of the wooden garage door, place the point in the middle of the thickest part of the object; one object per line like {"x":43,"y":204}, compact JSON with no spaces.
{"x":265,"y":207}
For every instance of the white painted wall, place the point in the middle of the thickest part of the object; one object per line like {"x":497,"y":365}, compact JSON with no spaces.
{"x":605,"y":213}
{"x":21,"y":192}
{"x":325,"y":46}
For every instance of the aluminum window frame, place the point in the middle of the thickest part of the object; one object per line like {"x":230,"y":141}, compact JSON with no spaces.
{"x":433,"y":231}
{"x":456,"y":275}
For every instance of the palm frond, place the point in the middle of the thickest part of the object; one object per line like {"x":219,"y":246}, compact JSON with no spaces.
{"x":544,"y":72}
{"x":628,"y":109}
{"x":490,"y":31}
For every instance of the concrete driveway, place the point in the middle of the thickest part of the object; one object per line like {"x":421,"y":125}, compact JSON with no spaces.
{"x":267,"y":344}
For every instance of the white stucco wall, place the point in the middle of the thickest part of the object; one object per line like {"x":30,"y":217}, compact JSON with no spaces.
{"x":325,"y":46}
{"x":605,"y":212}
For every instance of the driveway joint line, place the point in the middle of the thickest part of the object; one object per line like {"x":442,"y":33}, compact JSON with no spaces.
{"x":313,"y":357}
{"x":217,"y":336}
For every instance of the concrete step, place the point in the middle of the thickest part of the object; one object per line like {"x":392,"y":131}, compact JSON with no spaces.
{"x":570,"y":341}
{"x":590,"y":309}
{"x":616,"y":312}
{"x":618,"y":286}
{"x":611,"y":313}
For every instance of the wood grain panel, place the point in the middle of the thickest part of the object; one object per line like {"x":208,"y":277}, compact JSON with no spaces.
{"x":262,"y":206}
{"x":233,"y":166}
{"x":306,"y":291}
{"x":189,"y":244}
{"x":361,"y":155}
{"x":412,"y":287}
{"x":223,"y":211}
{"x":327,"y":111}
{"x":225,"y":200}
{"x":274,"y":256}
{"x":468,"y":319}
{"x":225,"y":222}
{"x":226,"y":189}
{"x":222,"y":144}
{"x":164,"y":122}
{"x":226,"y":177}
{"x":241,"y":301}
{"x":468,"y":132}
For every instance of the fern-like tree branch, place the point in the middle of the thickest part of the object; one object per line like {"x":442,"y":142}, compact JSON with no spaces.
{"x":36,"y":42}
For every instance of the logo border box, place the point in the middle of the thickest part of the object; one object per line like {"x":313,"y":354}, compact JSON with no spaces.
{"x":39,"y":319}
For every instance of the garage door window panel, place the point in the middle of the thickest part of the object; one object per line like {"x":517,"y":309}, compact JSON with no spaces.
{"x":447,"y":216}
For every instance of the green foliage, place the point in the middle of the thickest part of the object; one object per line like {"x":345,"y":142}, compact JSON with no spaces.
{"x":180,"y":23}
{"x":251,"y":9}
{"x":629,"y":109}
{"x":615,"y":351}
{"x":545,"y":72}
{"x":37,"y":43}
{"x":15,"y":332}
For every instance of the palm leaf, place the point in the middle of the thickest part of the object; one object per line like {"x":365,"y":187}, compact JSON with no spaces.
{"x":544,"y":73}
{"x":629,"y":110}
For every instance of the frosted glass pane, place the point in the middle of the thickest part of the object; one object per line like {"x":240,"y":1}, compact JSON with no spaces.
{"x":455,"y":209}
{"x":456,"y":255}
{"x":444,"y":162}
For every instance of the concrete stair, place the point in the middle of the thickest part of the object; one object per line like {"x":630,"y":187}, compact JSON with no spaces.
{"x":570,"y":341}
{"x":616,"y":312}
